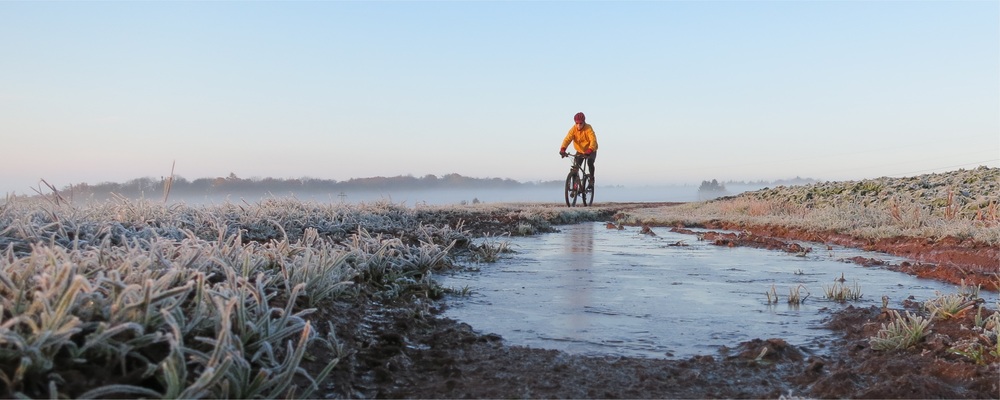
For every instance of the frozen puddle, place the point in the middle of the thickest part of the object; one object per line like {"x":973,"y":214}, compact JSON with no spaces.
{"x":598,"y":291}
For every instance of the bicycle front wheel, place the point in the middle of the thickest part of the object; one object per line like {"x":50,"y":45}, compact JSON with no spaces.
{"x":587,"y":190}
{"x":572,"y":189}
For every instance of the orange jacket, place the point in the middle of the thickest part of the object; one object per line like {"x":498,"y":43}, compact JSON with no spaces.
{"x":582,"y":139}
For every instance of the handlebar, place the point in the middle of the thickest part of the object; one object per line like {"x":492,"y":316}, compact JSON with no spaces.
{"x":575,"y":155}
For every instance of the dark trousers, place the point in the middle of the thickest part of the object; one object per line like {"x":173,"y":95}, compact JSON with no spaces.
{"x":590,"y":163}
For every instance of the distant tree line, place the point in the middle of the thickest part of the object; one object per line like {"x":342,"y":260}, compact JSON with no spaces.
{"x":155,"y":188}
{"x":149,"y":187}
{"x":713,"y":189}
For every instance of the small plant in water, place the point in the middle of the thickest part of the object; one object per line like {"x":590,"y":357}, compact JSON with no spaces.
{"x":900,"y":332}
{"x":772,"y":295}
{"x":968,"y":291}
{"x":795,"y":295}
{"x":490,"y":249}
{"x":465,"y":291}
{"x":840,"y":292}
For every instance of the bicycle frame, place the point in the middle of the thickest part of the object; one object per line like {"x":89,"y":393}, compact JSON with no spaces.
{"x":578,"y":182}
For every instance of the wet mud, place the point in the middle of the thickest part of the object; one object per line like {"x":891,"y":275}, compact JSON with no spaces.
{"x":440,"y":358}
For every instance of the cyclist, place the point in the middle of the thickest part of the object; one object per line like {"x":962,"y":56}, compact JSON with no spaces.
{"x":584,"y":141}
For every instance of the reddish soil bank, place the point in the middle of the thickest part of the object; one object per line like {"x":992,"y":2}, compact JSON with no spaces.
{"x":947,"y":259}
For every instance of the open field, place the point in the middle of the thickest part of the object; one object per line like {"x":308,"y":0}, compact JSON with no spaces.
{"x":299,"y":299}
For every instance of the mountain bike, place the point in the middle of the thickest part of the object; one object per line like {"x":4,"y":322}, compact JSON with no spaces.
{"x":579,"y":182}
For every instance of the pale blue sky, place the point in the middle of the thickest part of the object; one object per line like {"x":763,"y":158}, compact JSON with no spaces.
{"x":678,"y":92}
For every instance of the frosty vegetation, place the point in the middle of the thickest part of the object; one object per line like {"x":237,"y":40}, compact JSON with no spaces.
{"x":960,"y":204}
{"x":127,"y":298}
{"x":140,"y":299}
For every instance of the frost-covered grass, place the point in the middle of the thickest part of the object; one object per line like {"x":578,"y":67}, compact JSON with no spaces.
{"x":962,"y":204}
{"x":140,"y":299}
{"x":901,"y":332}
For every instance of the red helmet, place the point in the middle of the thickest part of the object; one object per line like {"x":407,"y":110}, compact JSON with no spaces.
{"x":579,"y":117}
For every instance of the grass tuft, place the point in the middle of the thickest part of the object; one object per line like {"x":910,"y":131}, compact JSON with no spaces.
{"x":900,"y":332}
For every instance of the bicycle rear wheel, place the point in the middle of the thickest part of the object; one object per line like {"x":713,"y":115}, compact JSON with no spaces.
{"x":572,"y":189}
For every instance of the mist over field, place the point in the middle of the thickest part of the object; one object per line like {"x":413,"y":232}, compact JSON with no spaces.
{"x":415,"y":197}
{"x":407,"y":190}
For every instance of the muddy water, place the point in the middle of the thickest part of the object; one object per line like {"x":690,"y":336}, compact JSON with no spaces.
{"x":598,"y":291}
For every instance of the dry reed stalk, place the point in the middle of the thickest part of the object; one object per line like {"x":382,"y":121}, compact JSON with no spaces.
{"x":950,"y":209}
{"x":894,"y":211}
{"x":55,"y":193}
{"x":169,"y":182}
{"x":990,"y":217}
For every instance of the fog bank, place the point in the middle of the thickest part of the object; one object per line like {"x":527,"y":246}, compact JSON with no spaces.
{"x":410,"y":197}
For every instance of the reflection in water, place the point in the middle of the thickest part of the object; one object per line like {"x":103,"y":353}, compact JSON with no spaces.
{"x":580,"y":249}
